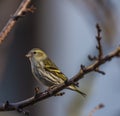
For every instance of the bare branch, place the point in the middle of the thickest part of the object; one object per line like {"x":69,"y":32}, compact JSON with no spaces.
{"x":99,"y":71}
{"x":22,"y":9}
{"x":96,"y":64}
{"x":98,"y":37}
{"x":95,"y":109}
{"x":92,"y":58}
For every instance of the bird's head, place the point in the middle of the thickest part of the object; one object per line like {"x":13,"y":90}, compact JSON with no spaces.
{"x":36,"y":54}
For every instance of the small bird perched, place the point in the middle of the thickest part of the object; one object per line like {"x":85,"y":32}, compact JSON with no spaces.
{"x":45,"y":71}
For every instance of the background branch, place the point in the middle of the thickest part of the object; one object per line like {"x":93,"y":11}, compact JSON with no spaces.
{"x":22,"y":9}
{"x":98,"y":107}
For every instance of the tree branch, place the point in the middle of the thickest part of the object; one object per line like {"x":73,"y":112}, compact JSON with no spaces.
{"x":98,"y":107}
{"x":22,"y":10}
{"x":39,"y":96}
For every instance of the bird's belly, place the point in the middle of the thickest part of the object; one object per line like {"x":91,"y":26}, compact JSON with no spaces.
{"x":45,"y":82}
{"x":41,"y":76}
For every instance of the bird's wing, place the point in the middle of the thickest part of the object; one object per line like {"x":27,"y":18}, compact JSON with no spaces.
{"x":52,"y":68}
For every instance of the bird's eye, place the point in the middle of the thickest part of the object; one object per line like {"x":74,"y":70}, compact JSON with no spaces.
{"x":34,"y":52}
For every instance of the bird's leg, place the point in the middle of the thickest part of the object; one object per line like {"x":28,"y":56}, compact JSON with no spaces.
{"x":50,"y":88}
{"x":57,"y":94}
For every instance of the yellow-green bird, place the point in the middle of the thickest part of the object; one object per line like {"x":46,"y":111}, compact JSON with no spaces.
{"x":45,"y":71}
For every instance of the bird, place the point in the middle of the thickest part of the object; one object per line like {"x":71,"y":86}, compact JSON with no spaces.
{"x":46,"y":71}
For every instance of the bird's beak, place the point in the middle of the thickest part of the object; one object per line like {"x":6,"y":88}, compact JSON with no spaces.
{"x":28,"y":55}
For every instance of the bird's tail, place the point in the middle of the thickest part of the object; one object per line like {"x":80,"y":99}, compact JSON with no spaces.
{"x":74,"y":88}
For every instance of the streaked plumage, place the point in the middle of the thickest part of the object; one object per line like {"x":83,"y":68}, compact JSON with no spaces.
{"x":45,"y":71}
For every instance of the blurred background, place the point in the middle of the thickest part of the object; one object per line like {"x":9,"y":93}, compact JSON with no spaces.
{"x":65,"y":30}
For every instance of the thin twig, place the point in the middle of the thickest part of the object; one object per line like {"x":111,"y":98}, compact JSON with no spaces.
{"x":12,"y":21}
{"x":99,"y":71}
{"x":98,"y":107}
{"x":98,"y":37}
{"x":96,"y":64}
{"x":92,"y":58}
